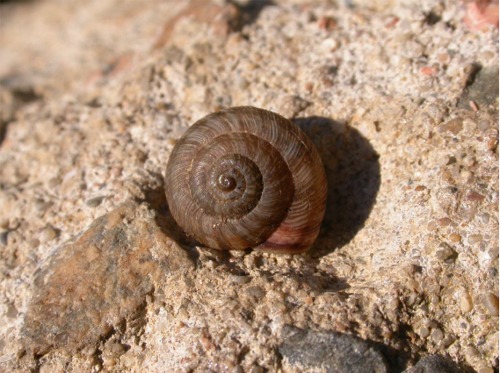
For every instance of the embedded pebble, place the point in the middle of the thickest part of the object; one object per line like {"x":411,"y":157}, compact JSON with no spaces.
{"x":48,"y":234}
{"x":443,"y":222}
{"x":437,"y":335}
{"x":454,"y":126}
{"x":290,"y":106}
{"x":242,"y":82}
{"x":424,"y":332}
{"x":116,"y":348}
{"x":96,"y":201}
{"x":455,"y":238}
{"x":3,"y":238}
{"x":474,"y":238}
{"x":485,"y":218}
{"x":256,"y":292}
{"x":34,"y":242}
{"x":444,"y":251}
{"x":486,"y":370}
{"x":4,"y":223}
{"x":42,"y":206}
{"x":472,"y":351}
{"x":474,"y":196}
{"x":465,"y":303}
{"x":240,"y":279}
{"x":490,"y":301}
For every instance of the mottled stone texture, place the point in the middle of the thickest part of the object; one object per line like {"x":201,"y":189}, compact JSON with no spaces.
{"x":317,"y":351}
{"x":100,"y":281}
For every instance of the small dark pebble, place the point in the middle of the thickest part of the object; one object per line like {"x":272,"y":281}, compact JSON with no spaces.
{"x":3,"y":130}
{"x":330,"y":351}
{"x":96,"y":201}
{"x":327,"y":23}
{"x":3,"y":238}
{"x":435,"y":364}
{"x":474,"y":196}
{"x":444,"y":251}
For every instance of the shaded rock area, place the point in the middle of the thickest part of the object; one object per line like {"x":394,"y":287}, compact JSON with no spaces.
{"x":353,"y":177}
{"x":435,"y":364}
{"x":313,"y":351}
{"x":482,"y":89}
{"x":401,"y":100}
{"x":99,"y":284}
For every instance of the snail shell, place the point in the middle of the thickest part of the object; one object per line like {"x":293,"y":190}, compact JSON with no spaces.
{"x":247,"y":178}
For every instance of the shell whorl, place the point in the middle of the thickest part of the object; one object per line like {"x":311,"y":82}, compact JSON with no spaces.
{"x":246,"y":177}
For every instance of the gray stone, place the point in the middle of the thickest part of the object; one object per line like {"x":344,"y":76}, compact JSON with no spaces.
{"x":483,"y":88}
{"x":330,"y":352}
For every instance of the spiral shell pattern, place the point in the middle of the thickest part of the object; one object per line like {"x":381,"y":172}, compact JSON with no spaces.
{"x":247,"y":178}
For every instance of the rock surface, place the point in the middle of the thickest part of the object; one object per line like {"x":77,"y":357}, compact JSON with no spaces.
{"x":316,"y":351}
{"x":101,"y":282}
{"x":399,"y":98}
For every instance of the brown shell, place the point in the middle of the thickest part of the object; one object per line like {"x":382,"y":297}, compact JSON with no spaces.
{"x":247,"y":178}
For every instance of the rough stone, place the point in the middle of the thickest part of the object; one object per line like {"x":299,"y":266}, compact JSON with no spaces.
{"x":322,"y":351}
{"x":100,"y":281}
{"x":483,"y":88}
